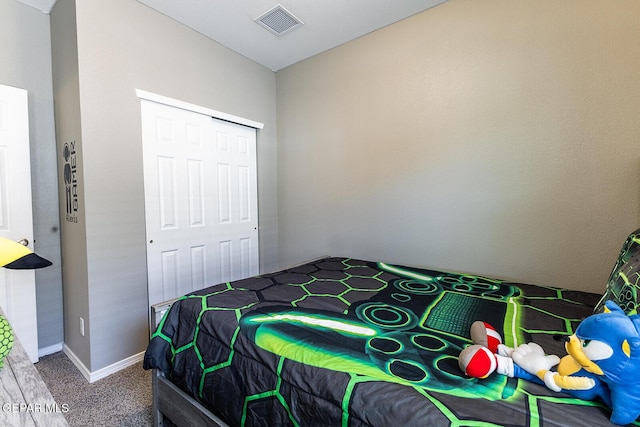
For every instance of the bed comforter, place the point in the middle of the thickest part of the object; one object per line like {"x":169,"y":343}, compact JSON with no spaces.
{"x":346,"y":342}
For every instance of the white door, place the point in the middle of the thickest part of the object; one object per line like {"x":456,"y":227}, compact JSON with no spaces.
{"x":200,"y":199}
{"x":17,"y":287}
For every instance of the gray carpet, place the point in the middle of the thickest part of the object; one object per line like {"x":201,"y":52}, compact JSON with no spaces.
{"x":121,"y":399}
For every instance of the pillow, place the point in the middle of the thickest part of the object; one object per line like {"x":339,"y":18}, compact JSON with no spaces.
{"x":623,"y":285}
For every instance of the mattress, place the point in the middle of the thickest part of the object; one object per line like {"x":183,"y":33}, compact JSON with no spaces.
{"x":349,"y":342}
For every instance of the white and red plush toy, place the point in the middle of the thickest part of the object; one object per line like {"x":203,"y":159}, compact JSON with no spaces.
{"x":603,"y":361}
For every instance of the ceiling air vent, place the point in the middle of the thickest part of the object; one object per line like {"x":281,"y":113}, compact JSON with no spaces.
{"x":279,"y":21}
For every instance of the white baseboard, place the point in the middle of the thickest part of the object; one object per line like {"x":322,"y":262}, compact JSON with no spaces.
{"x":74,"y":359}
{"x":107,"y":370}
{"x":45,"y":351}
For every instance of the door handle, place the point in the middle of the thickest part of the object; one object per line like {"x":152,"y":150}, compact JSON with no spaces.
{"x":23,"y":241}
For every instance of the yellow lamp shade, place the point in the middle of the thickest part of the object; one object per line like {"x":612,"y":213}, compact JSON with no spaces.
{"x":15,"y":256}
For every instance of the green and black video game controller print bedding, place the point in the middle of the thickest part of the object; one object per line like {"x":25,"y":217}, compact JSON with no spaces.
{"x":348,"y":342}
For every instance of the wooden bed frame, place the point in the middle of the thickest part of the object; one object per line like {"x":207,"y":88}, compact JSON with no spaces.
{"x":168,"y":400}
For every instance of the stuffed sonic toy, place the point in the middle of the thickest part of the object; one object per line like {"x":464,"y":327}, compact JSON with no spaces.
{"x":603,"y":361}
{"x":16,"y":256}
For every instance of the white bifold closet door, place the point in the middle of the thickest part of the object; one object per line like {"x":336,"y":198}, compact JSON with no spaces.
{"x":200,"y":179}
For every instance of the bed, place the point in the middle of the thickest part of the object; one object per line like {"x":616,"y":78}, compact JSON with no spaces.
{"x":349,"y":342}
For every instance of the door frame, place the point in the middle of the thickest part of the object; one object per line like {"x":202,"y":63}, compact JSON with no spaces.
{"x":198,"y":109}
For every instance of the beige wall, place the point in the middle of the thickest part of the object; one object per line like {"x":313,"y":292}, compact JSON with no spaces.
{"x":123,"y":46}
{"x":64,"y":45}
{"x":494,"y":137}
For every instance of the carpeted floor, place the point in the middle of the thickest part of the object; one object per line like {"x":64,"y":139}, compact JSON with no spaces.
{"x":121,"y":399}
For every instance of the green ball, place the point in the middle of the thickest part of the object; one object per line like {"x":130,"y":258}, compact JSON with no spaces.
{"x":6,"y":339}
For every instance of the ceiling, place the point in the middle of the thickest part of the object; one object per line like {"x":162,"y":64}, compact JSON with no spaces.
{"x":43,"y":5}
{"x":325,"y":24}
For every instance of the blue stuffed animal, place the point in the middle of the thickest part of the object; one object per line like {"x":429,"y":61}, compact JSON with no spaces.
{"x":603,"y":361}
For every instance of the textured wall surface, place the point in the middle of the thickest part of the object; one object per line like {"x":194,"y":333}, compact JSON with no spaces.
{"x":493,"y":137}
